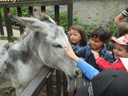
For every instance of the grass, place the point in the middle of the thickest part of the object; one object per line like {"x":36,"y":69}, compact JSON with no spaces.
{"x":9,"y":91}
{"x":6,"y":38}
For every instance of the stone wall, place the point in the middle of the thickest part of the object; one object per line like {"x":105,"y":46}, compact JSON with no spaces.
{"x":100,"y":12}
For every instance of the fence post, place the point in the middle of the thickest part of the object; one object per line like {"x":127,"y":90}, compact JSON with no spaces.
{"x":1,"y":25}
{"x":8,"y":24}
{"x":49,"y":84}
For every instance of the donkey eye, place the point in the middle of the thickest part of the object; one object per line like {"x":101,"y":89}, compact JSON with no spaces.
{"x":57,"y":45}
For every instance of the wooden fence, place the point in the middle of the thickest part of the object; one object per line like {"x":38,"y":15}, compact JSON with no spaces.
{"x":45,"y":76}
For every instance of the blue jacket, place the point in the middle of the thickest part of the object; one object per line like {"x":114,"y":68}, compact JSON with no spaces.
{"x":77,"y":49}
{"x":86,"y":53}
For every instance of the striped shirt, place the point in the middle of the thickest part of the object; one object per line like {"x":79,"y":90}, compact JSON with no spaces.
{"x":125,"y":12}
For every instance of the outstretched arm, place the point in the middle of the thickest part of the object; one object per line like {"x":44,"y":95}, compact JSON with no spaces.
{"x":86,"y":68}
{"x":69,"y":51}
{"x":119,"y":18}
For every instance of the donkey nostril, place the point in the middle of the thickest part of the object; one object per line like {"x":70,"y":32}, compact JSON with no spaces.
{"x":78,"y":73}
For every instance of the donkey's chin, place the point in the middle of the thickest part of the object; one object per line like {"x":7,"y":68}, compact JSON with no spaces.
{"x":71,"y":76}
{"x":76,"y":74}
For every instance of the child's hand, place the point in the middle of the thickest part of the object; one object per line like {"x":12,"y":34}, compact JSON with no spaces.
{"x":96,"y":54}
{"x":69,"y":51}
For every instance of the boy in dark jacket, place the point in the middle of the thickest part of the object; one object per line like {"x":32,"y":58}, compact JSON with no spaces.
{"x":98,"y":38}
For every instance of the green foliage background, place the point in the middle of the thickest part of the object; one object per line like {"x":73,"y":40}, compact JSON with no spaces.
{"x":63,"y":20}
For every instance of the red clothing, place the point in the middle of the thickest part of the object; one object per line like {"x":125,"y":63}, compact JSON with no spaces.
{"x":103,"y":64}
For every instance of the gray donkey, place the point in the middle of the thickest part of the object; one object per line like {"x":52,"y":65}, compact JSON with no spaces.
{"x":43,"y":44}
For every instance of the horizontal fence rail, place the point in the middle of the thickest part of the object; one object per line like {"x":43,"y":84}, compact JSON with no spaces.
{"x":33,"y":89}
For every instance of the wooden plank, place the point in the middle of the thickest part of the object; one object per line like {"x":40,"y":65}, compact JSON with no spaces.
{"x":36,"y":3}
{"x":38,"y":81}
{"x":58,"y":82}
{"x":1,"y":25}
{"x":56,"y":10}
{"x":8,"y":23}
{"x":49,"y":84}
{"x":64,"y":85}
{"x":70,"y":14}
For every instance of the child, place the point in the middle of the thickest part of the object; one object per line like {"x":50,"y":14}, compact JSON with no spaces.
{"x":77,"y":36}
{"x":122,"y":30}
{"x":120,"y":51}
{"x":99,"y":37}
{"x":78,"y":40}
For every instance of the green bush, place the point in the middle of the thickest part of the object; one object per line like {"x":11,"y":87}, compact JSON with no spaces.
{"x":112,"y":29}
{"x":13,"y":10}
{"x":64,"y":22}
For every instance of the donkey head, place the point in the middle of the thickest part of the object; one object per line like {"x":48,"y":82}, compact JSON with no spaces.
{"x":53,"y":42}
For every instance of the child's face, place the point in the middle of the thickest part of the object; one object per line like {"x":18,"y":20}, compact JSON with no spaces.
{"x":96,"y":43}
{"x":119,"y":51}
{"x":75,"y":37}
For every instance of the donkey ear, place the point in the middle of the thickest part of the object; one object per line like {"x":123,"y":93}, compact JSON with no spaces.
{"x":25,"y":21}
{"x":42,"y":16}
{"x":31,"y":23}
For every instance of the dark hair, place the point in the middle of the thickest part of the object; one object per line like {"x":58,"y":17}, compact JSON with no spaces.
{"x":126,"y":47}
{"x":82,"y":32}
{"x":121,"y":30}
{"x":101,"y":33}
